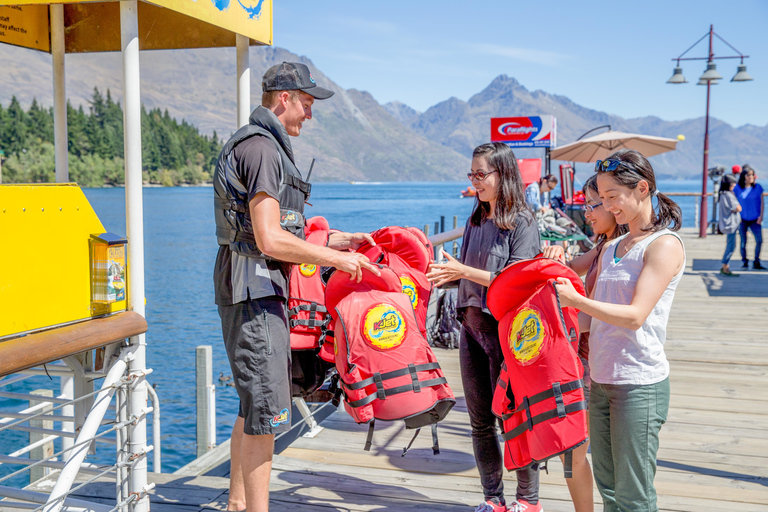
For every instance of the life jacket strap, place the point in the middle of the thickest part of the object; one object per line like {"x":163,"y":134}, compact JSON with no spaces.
{"x":541,"y":418}
{"x":405,"y":450}
{"x":555,"y":391}
{"x":383,"y":394}
{"x":223,"y":203}
{"x":369,"y":439}
{"x":314,"y":309}
{"x":234,"y":235}
{"x":391,"y":375}
{"x":568,"y":464}
{"x":435,"y":444}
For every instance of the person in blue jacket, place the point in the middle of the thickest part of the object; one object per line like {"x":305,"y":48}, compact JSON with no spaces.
{"x":750,"y":196}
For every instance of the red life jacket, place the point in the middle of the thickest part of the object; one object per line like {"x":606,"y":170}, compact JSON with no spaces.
{"x":408,"y":252}
{"x":540,"y":395}
{"x":386,"y":368}
{"x":308,"y":317}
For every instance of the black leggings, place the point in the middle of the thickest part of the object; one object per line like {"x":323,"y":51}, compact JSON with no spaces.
{"x":481,"y":357}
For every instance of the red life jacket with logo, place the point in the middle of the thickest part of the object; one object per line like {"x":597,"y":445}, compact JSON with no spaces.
{"x":408,"y":252}
{"x":308,"y":317}
{"x":540,"y":395}
{"x":386,"y":368}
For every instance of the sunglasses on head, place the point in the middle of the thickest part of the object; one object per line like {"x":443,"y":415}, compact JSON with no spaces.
{"x":609,"y":165}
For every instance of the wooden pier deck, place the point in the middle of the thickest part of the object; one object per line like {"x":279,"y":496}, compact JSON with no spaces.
{"x":714,"y":448}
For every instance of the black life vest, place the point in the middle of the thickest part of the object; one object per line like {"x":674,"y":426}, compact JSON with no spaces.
{"x":234,"y":226}
{"x":540,"y":395}
{"x":386,"y":368}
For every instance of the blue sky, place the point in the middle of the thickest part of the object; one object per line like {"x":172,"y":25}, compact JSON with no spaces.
{"x":610,"y":56}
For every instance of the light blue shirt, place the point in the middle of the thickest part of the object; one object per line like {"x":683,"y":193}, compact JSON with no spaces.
{"x":533,"y":196}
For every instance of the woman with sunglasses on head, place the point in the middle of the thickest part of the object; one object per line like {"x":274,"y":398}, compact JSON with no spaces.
{"x":750,"y":196}
{"x":500,"y":230}
{"x":627,"y":316}
{"x":605,"y":227}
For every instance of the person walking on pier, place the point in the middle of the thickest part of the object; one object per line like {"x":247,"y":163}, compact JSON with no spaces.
{"x":500,"y":230}
{"x":627,"y":319}
{"x":750,"y":196}
{"x":259,"y":203}
{"x":730,"y":220}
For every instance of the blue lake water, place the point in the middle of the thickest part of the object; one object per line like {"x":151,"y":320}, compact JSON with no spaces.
{"x":180,"y":249}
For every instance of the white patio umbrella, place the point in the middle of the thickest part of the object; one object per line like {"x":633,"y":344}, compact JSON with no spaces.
{"x":600,"y":146}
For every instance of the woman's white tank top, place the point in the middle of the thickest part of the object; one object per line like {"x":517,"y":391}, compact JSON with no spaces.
{"x":623,"y":356}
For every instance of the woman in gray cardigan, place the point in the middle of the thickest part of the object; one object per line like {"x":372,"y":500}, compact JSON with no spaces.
{"x":730,"y":219}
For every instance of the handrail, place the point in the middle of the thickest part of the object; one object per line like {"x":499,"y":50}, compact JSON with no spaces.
{"x":446,"y":236}
{"x":44,"y":347}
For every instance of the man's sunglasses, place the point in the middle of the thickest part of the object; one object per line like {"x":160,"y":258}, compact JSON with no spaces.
{"x":479,"y":176}
{"x":590,"y":207}
{"x":610,"y":165}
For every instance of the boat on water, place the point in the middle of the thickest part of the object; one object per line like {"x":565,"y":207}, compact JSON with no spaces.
{"x":469,"y":192}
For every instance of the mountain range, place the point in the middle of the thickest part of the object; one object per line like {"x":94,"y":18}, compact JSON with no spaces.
{"x":353,"y":136}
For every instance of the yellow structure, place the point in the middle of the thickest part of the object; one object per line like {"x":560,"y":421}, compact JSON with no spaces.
{"x":163,"y":24}
{"x":45,"y":269}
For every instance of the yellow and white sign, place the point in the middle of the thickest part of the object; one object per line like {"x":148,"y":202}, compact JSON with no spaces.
{"x":25,"y":25}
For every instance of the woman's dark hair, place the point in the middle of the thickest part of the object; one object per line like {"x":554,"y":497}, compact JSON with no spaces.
{"x":510,"y":196}
{"x":635,"y":168}
{"x":620,"y":229}
{"x":746,"y":169}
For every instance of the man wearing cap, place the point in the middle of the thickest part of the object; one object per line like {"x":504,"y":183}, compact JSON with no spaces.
{"x":259,"y":203}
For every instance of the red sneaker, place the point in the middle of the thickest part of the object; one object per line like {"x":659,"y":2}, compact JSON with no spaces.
{"x":524,"y":506}
{"x":490,"y":506}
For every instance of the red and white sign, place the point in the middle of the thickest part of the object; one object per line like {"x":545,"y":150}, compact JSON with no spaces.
{"x":525,"y":132}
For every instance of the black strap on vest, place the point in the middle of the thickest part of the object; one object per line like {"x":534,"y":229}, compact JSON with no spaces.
{"x":381,"y":393}
{"x":314,"y":309}
{"x":568,"y":464}
{"x":369,"y":439}
{"x":556,"y":390}
{"x":560,"y":411}
{"x":435,"y":444}
{"x":405,"y":450}
{"x":541,"y":418}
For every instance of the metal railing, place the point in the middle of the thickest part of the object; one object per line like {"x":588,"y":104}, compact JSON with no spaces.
{"x":81,"y":413}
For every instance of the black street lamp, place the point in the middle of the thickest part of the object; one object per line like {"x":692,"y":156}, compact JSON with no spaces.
{"x":710,"y":77}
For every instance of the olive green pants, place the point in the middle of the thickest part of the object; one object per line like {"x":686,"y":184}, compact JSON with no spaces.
{"x":624,"y":422}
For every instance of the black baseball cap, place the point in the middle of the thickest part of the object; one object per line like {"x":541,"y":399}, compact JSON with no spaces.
{"x":292,"y":76}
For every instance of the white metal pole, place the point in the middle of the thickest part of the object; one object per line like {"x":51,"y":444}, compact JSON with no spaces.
{"x":90,"y":427}
{"x":59,"y":94}
{"x":67,"y":387}
{"x":134,"y":215}
{"x":243,"y":81}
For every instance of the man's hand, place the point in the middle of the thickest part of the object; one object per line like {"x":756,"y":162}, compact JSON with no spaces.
{"x":349,"y":241}
{"x":353,"y":264}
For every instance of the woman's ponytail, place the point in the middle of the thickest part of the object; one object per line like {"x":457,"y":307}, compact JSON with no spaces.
{"x":670,"y":215}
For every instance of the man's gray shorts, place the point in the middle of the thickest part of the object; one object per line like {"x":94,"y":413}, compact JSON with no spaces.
{"x":257,"y":340}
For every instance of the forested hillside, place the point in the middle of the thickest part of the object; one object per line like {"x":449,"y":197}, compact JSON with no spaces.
{"x":173,"y":153}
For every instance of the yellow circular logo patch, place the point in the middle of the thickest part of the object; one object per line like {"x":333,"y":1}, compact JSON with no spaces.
{"x":526,"y":336}
{"x":307,"y":270}
{"x":409,"y":288}
{"x":384,"y":327}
